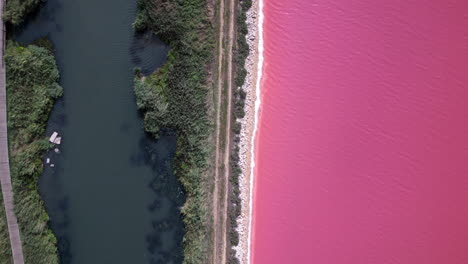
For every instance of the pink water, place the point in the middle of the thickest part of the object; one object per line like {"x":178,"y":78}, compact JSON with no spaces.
{"x":362,"y":154}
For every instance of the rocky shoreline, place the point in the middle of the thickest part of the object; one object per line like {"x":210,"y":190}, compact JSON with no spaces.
{"x":248,"y":123}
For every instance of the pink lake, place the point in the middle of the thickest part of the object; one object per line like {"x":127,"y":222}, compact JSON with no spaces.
{"x":362,"y":151}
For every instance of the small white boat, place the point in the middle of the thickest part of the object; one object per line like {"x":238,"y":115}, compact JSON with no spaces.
{"x":53,"y":137}
{"x":57,"y":140}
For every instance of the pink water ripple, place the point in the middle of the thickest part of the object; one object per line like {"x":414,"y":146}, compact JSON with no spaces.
{"x":362,"y":151}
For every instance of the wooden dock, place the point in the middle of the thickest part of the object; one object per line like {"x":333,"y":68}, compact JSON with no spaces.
{"x":5,"y":177}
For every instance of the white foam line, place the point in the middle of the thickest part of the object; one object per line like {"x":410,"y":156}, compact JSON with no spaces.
{"x":257,"y":108}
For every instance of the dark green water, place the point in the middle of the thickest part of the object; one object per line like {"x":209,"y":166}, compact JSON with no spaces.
{"x":111,"y":196}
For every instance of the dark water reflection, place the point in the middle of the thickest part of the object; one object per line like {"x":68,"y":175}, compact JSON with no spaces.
{"x":111,"y":197}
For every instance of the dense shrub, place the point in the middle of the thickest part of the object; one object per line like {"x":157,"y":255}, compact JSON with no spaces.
{"x":175,"y":98}
{"x":237,"y":128}
{"x":232,"y":257}
{"x":16,"y":10}
{"x":32,"y":86}
{"x":5,"y":249}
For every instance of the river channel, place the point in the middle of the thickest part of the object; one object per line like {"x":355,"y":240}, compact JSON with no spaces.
{"x":111,"y":195}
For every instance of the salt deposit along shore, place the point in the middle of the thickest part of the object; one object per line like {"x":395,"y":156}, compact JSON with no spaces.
{"x":253,"y":65}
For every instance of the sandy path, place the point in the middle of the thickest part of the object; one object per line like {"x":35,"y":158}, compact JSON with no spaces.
{"x":5,"y":178}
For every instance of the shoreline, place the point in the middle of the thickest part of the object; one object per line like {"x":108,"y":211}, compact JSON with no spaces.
{"x":251,"y":86}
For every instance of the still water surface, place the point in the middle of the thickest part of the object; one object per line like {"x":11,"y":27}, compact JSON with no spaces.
{"x":362,"y":144}
{"x":111,"y":196}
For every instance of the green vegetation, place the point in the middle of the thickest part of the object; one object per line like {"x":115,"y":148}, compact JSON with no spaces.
{"x":175,"y":98}
{"x":241,"y":52}
{"x":32,"y":86}
{"x":16,"y":10}
{"x":5,"y":249}
{"x":242,"y":48}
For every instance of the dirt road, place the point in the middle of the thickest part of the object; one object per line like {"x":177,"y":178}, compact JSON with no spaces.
{"x":228,"y":129}
{"x":221,"y":188}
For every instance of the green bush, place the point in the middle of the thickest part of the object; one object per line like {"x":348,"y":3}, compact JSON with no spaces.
{"x":32,"y":86}
{"x":16,"y":10}
{"x":175,"y":98}
{"x":5,"y":249}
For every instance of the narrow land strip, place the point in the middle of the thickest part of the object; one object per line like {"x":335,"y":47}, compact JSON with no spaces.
{"x":227,"y":149}
{"x":221,"y":188}
{"x":252,"y":65}
{"x":218,"y":131}
{"x":5,"y":178}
